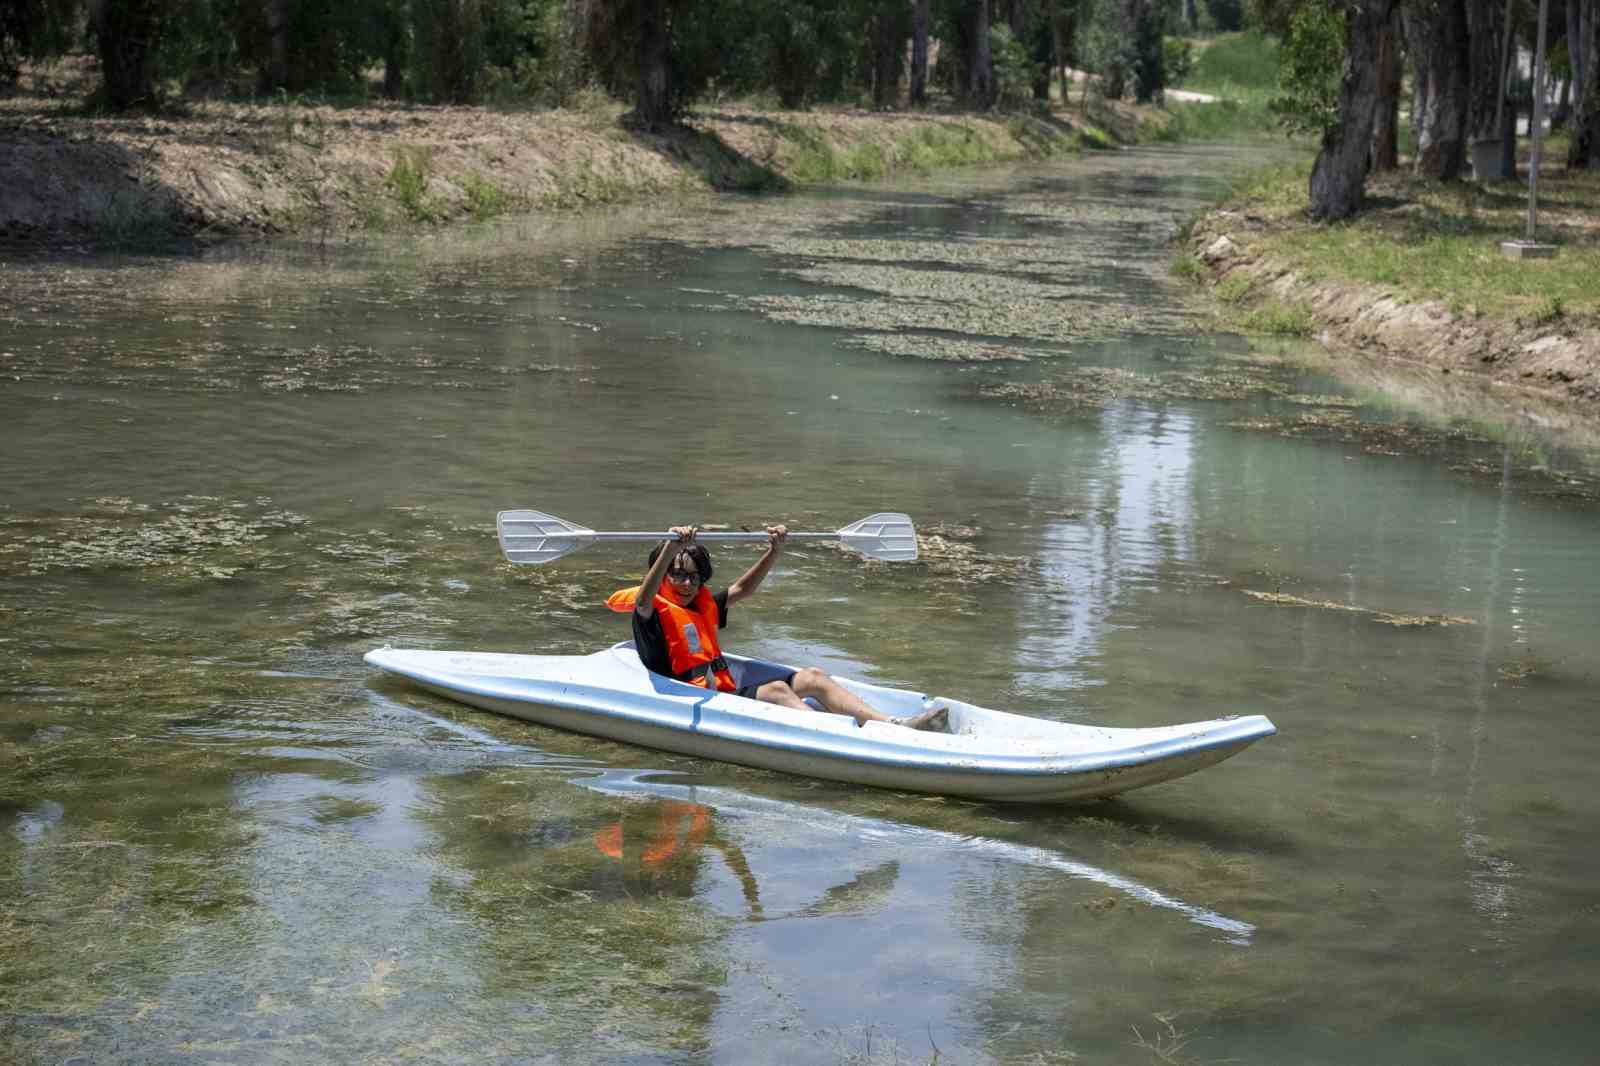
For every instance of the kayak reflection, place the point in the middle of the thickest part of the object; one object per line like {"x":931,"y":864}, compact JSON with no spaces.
{"x":657,"y":850}
{"x":758,"y":811}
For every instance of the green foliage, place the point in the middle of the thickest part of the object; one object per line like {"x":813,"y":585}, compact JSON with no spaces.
{"x":1239,"y":66}
{"x":1554,"y":309}
{"x":1278,"y":319}
{"x":1188,"y":268}
{"x":1095,"y":138}
{"x":1178,"y":58}
{"x":485,"y":199}
{"x":408,"y":183}
{"x":1014,"y":69}
{"x":1101,"y":46}
{"x":1308,"y":77}
{"x":1149,"y":53}
{"x":1225,"y":120}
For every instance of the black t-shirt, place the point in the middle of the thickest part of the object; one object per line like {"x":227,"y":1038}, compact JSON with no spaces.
{"x":651,"y":640}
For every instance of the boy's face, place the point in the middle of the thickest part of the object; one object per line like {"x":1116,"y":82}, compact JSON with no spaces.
{"x":683,"y":577}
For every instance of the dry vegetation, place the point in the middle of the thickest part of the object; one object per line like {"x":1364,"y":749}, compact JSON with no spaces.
{"x":227,"y":167}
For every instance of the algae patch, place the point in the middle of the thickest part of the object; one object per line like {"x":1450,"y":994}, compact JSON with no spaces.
{"x":196,"y":535}
{"x":1389,"y":618}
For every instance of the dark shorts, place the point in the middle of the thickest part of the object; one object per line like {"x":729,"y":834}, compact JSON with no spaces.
{"x":750,"y":676}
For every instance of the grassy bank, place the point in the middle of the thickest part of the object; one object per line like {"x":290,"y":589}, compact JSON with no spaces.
{"x":1417,"y":276}
{"x":1427,"y":240}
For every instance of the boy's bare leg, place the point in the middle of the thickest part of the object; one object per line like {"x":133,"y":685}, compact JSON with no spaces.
{"x":836,"y":699}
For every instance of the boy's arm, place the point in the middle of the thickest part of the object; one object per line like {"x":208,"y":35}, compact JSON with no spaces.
{"x":751,"y":579}
{"x":645,"y":606}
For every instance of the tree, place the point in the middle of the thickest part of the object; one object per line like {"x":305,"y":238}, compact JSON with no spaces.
{"x":1486,"y":21}
{"x":1149,"y":55}
{"x":1309,"y":69}
{"x":919,"y":53}
{"x":1386,"y":119}
{"x":1436,"y":31}
{"x":1584,"y":150}
{"x":1338,"y":177}
{"x":127,"y":33}
{"x":887,"y":26}
{"x":980,"y":69}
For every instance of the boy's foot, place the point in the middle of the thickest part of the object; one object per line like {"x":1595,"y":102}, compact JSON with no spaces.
{"x":932,"y":720}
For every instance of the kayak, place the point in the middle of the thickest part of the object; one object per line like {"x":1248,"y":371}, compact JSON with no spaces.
{"x":987,"y":754}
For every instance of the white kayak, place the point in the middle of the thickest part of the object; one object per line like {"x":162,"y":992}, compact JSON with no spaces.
{"x":990,"y":755}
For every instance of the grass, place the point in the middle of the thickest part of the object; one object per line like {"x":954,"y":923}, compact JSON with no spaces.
{"x":1428,"y":240}
{"x":1236,"y":66}
{"x":1226,"y":120}
{"x":485,"y":199}
{"x":810,"y":157}
{"x":408,"y":183}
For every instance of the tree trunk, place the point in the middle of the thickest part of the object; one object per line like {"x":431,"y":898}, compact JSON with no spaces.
{"x":1486,"y":20}
{"x":1437,"y":33}
{"x":653,"y":109}
{"x":980,"y":77}
{"x":1061,"y":28}
{"x":919,"y":53}
{"x":1575,"y":54}
{"x":1338,"y":177}
{"x":1508,"y":140}
{"x":886,"y":46}
{"x":1191,"y":14}
{"x":1386,"y":116}
{"x":1584,"y":150}
{"x":126,"y":32}
{"x":394,"y":53}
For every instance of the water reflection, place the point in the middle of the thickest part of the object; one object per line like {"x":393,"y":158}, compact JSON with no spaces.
{"x":767,"y":816}
{"x":1137,"y":495}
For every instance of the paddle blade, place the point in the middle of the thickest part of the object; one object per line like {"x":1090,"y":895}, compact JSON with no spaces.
{"x":887,"y":536}
{"x":536,"y":537}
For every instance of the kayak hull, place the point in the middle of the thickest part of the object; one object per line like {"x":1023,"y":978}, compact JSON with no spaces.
{"x":989,"y":755}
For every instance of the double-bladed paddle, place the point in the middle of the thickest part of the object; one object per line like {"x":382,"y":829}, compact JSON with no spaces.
{"x":536,"y":537}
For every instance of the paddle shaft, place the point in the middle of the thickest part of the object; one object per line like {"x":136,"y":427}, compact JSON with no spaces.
{"x":708,"y":536}
{"x":537,"y":537}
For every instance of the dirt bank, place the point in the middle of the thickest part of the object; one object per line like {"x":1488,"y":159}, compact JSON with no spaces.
{"x":229,"y":168}
{"x":1555,"y":355}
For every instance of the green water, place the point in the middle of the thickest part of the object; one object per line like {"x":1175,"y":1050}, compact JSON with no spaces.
{"x":223,"y":840}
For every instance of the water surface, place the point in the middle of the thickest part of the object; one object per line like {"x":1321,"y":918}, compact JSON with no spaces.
{"x":222,"y":839}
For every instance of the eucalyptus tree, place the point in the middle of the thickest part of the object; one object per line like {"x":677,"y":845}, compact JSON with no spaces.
{"x":919,"y":53}
{"x":127,"y":34}
{"x":1584,"y":149}
{"x":1436,"y":31}
{"x":1338,"y":176}
{"x":980,"y":85}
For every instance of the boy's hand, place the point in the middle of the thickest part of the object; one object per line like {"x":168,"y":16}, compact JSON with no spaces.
{"x":776,"y":535}
{"x":684,"y":534}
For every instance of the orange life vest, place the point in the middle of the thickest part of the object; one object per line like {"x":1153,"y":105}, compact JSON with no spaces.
{"x":691,"y":633}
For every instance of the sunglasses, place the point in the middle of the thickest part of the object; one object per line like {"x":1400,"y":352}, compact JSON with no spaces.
{"x":678,"y":574}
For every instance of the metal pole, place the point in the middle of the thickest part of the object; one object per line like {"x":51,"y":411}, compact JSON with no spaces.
{"x":1538,"y":122}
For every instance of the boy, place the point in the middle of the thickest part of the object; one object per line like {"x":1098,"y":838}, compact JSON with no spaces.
{"x":675,"y":623}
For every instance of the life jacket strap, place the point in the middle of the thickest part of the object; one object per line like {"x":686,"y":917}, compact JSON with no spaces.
{"x":695,"y":672}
